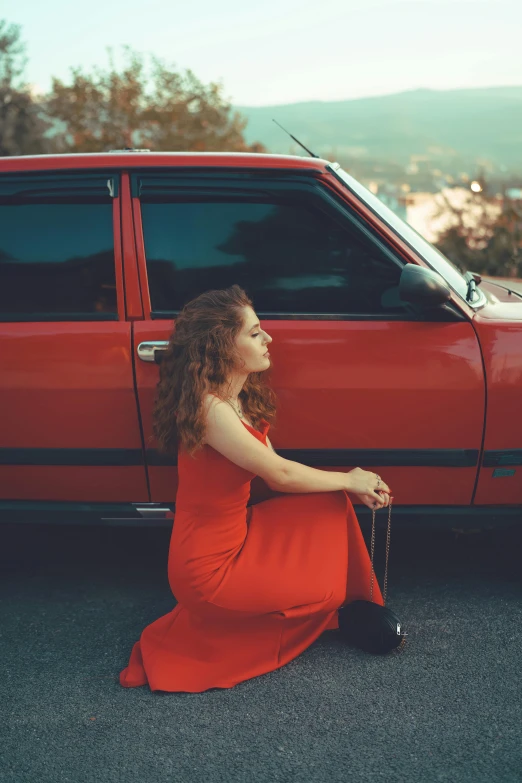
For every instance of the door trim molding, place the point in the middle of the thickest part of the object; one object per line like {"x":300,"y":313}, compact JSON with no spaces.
{"x":445,"y":458}
{"x":68,"y":457}
{"x":162,"y":514}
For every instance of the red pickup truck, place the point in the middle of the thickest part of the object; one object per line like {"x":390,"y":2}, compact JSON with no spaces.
{"x":385,"y":356}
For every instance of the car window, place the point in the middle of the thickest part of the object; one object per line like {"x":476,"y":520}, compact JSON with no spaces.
{"x":444,"y":266}
{"x":290,"y":256}
{"x":56,"y":249}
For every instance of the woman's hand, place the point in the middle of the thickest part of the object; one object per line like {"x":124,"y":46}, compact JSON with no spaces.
{"x":372,"y":502}
{"x":369,"y":487}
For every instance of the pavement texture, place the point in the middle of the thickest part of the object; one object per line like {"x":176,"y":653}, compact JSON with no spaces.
{"x":448,"y":708}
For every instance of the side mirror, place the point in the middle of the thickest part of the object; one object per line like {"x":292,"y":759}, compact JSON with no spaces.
{"x":423,"y":287}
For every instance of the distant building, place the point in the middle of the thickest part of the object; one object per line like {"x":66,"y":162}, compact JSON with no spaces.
{"x":431,"y":214}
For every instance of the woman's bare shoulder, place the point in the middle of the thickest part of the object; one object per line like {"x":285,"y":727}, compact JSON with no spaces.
{"x":226,"y":434}
{"x":208,"y":401}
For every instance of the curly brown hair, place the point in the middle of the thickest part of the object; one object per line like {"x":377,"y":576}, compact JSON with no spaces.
{"x":198,"y":360}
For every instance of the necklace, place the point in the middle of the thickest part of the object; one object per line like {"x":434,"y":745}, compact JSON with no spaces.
{"x":239,"y":412}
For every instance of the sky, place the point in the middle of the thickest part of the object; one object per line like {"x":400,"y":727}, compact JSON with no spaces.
{"x":282,"y":51}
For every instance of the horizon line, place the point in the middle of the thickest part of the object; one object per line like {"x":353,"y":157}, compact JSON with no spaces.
{"x":376,"y":97}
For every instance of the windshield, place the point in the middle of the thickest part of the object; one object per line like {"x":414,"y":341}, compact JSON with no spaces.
{"x":427,"y":251}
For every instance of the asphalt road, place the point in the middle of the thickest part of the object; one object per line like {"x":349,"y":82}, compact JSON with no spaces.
{"x":448,"y":708}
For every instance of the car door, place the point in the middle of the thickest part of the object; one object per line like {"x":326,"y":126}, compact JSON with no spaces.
{"x":362,"y":378}
{"x":69,"y":424}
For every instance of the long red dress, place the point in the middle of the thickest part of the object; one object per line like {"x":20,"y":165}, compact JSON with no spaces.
{"x":255,"y":585}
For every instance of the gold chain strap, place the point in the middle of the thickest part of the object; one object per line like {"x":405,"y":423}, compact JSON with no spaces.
{"x":385,"y":584}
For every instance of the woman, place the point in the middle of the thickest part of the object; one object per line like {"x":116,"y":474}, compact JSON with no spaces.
{"x":255,"y":585}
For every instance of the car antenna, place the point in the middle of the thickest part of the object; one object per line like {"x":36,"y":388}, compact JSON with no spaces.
{"x":296,"y":140}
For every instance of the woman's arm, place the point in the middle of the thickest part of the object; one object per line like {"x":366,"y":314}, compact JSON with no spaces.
{"x":270,"y":445}
{"x":226,"y":434}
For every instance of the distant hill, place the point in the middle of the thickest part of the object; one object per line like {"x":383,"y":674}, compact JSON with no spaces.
{"x":465,"y":125}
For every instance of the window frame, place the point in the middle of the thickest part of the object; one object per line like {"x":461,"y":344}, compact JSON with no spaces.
{"x":204,"y":184}
{"x":430,"y":254}
{"x":60,"y":186}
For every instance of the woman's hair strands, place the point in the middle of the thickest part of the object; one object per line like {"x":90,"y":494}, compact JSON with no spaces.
{"x":199,"y":359}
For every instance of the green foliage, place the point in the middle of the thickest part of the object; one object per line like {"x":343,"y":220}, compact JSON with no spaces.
{"x":493,"y":245}
{"x":115,"y":109}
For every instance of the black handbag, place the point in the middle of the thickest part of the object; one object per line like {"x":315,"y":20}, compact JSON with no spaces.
{"x":370,"y":626}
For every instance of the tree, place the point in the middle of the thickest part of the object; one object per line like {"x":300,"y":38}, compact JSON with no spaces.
{"x":22,"y":128}
{"x":503,"y":253}
{"x":491,"y":242}
{"x":112,"y":110}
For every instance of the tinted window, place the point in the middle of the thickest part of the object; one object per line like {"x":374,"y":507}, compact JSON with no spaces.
{"x":56,"y":258}
{"x":425,"y":249}
{"x":290,"y":257}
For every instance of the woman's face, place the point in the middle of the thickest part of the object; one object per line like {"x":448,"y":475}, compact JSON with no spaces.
{"x":252,"y":343}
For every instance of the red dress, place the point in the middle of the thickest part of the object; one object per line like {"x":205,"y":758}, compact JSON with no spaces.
{"x":255,"y":585}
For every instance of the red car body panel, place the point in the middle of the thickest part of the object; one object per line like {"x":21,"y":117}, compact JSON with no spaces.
{"x":126,"y":160}
{"x":69,"y":386}
{"x":499,"y":329}
{"x":408,"y":375}
{"x":375,"y":398}
{"x":348,"y":384}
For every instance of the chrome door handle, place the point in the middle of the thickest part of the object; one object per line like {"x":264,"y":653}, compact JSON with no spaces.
{"x":151,"y":352}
